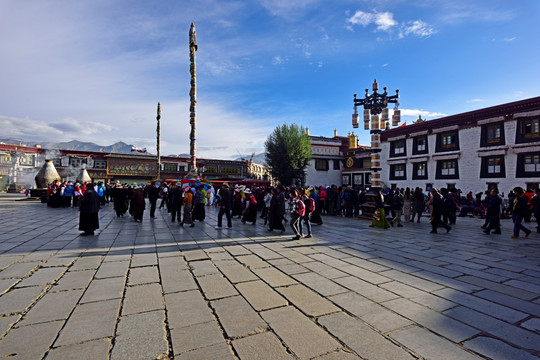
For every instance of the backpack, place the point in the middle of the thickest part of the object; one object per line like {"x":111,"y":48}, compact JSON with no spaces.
{"x":311,"y":206}
{"x":252,"y":200}
{"x":301,"y":208}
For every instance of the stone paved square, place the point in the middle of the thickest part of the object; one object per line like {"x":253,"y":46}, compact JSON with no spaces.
{"x":152,"y":289}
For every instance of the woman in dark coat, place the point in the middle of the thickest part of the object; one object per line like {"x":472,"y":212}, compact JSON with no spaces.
{"x":437,"y":210}
{"x":418,"y":204}
{"x":120,"y":198}
{"x":198,"y":213}
{"x":137,"y":205}
{"x":88,"y":211}
{"x":250,"y":213}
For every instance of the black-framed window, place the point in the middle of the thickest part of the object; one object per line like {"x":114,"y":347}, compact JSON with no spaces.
{"x":420,"y":171}
{"x":398,"y":172}
{"x":447,"y":141}
{"x":336,"y":164}
{"x":528,"y":130}
{"x":447,"y":169}
{"x":492,"y":134}
{"x":420,"y":145}
{"x":321,"y":164}
{"x":493,"y":167}
{"x":528,"y":165}
{"x":77,"y":162}
{"x":398,"y":148}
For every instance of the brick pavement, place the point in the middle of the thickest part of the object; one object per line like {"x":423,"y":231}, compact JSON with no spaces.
{"x":154,"y":290}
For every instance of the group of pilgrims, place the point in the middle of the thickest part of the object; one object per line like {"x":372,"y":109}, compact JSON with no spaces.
{"x":301,"y":207}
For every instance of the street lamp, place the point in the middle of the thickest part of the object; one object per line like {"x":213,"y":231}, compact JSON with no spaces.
{"x":374,"y":105}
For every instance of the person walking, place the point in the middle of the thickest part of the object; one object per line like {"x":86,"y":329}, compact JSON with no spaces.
{"x":407,"y":205}
{"x":493,"y":212}
{"x":188,"y":206}
{"x":519,"y":212}
{"x":199,"y":212}
{"x":225,"y":207}
{"x":250,"y":211}
{"x":88,"y":212}
{"x":298,"y":210}
{"x":153,"y":194}
{"x":418,"y":204}
{"x":398,"y":208}
{"x":309,"y":208}
{"x":137,"y":204}
{"x":379,"y":216}
{"x":175,"y":202}
{"x":437,"y":209}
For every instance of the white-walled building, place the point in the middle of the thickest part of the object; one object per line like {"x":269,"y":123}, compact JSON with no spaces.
{"x":496,"y":146}
{"x":325,"y":165}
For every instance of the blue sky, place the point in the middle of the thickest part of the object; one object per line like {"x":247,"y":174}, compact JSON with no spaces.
{"x":95,"y":70}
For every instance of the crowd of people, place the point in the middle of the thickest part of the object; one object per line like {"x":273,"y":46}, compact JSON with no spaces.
{"x":299,"y":207}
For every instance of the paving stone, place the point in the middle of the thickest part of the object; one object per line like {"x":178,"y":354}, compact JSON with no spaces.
{"x":141,"y":336}
{"x":187,"y":308}
{"x":203,"y":268}
{"x":6,"y":260}
{"x":252,"y":261}
{"x":339,"y":355}
{"x":296,"y":256}
{"x":237,"y":250}
{"x":266,"y":345}
{"x":237,"y":317}
{"x":320,"y":284}
{"x":365,"y":341}
{"x":40,"y":336}
{"x":324,"y":270}
{"x":292,"y":269}
{"x":445,"y":281}
{"x":43,"y":276}
{"x":300,"y":334}
{"x":260,"y":295}
{"x":532,"y":324}
{"x":274,"y":277}
{"x":90,"y":321}
{"x":19,"y":270}
{"x":74,"y":280}
{"x":194,"y":255}
{"x":6,"y":322}
{"x":219,"y":351}
{"x":366,"y":275}
{"x":307,"y":301}
{"x":52,"y":306}
{"x":195,"y":337}
{"x":496,"y":349}
{"x":112,"y":269}
{"x":216,"y":286}
{"x":62,"y":258}
{"x":148,"y":259}
{"x":368,"y":290}
{"x":175,"y":276}
{"x":237,"y":273}
{"x":142,"y":298}
{"x":433,"y":302}
{"x":431,"y":346}
{"x":91,"y":350}
{"x":87,"y":262}
{"x":143,"y":275}
{"x":484,"y":306}
{"x":412,"y":280}
{"x":104,"y":289}
{"x":6,"y":284}
{"x":510,"y":333}
{"x":432,"y":320}
{"x":504,"y":289}
{"x":17,"y":300}
{"x":372,"y":313}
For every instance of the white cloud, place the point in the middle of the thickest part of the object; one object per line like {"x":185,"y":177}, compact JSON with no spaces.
{"x":287,"y":8}
{"x":385,"y":22}
{"x":278,"y":60}
{"x":510,"y":39}
{"x":418,"y":28}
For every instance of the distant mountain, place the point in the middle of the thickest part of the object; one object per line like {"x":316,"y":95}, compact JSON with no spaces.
{"x":258,"y":158}
{"x":119,"y":147}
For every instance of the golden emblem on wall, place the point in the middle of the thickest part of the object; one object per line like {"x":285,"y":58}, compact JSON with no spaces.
{"x":350,"y":162}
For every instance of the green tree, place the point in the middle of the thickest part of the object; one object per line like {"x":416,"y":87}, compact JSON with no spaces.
{"x":288,"y":152}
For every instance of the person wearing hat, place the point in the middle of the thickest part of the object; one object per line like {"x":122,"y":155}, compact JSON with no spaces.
{"x":250,"y":211}
{"x":225,"y":206}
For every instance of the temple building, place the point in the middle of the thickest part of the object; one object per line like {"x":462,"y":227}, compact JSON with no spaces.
{"x":497,"y":146}
{"x":20,"y":164}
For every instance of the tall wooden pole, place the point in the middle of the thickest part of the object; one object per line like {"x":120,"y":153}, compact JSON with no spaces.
{"x":158,"y":131}
{"x":193,"y":99}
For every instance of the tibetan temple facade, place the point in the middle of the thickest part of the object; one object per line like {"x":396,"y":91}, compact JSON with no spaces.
{"x":497,"y":146}
{"x":20,"y":164}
